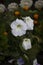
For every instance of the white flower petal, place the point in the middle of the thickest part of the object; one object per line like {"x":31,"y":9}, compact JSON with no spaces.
{"x":22,"y":23}
{"x":39,"y":4}
{"x":2,"y":8}
{"x":22,"y":33}
{"x":18,"y":27}
{"x":14,"y":33}
{"x":35,"y":62}
{"x":18,"y":22}
{"x":18,"y":32}
{"x":10,"y":61}
{"x":29,"y":22}
{"x":12,"y":6}
{"x":13,"y":25}
{"x":26,"y":44}
{"x":26,"y":3}
{"x":30,"y":26}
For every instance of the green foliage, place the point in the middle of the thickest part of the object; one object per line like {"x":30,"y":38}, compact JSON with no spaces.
{"x":11,"y":46}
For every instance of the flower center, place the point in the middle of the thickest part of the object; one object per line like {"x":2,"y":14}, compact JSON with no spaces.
{"x":26,"y":40}
{"x":19,"y":26}
{"x":27,"y":19}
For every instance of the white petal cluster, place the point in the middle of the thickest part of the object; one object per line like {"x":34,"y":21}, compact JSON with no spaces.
{"x":26,"y":3}
{"x":39,"y":4}
{"x":26,"y":44}
{"x":19,"y":27}
{"x":12,"y":6}
{"x":29,"y":22}
{"x":2,"y":8}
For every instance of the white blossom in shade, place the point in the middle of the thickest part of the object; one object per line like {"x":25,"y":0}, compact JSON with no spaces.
{"x":18,"y":27}
{"x":10,"y":61}
{"x":2,"y":8}
{"x":29,"y":22}
{"x":26,"y":44}
{"x":26,"y":3}
{"x":39,"y":4}
{"x":12,"y":6}
{"x":35,"y":62}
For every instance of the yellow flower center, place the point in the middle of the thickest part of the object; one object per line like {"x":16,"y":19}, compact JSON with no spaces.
{"x":19,"y":26}
{"x":26,"y":40}
{"x":27,"y":19}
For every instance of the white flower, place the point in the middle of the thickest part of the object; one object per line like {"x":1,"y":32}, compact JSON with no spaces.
{"x":10,"y":61}
{"x":29,"y":22}
{"x":35,"y":62}
{"x":18,"y":27}
{"x":12,"y":6}
{"x":26,"y":44}
{"x":26,"y":3}
{"x":39,"y":4}
{"x":2,"y":8}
